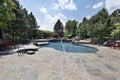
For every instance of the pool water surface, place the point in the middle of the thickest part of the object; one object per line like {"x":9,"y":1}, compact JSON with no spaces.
{"x":69,"y":47}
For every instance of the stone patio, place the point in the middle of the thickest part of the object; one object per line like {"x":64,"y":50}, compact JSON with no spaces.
{"x":50,"y":64}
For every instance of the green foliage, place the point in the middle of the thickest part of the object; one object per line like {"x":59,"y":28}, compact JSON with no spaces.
{"x":71,"y":27}
{"x":98,"y":26}
{"x":6,"y":14}
{"x":58,"y":28}
{"x":115,"y":16}
{"x":44,"y":34}
{"x":116,"y":31}
{"x":83,"y":29}
{"x":18,"y":23}
{"x":6,"y":36}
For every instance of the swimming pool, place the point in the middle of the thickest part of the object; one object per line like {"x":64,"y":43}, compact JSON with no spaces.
{"x":69,"y":47}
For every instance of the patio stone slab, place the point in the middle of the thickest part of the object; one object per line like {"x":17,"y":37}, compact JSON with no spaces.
{"x":112,"y":68}
{"x":105,"y":78}
{"x":94,"y":72}
{"x":57,"y":78}
{"x":87,"y":66}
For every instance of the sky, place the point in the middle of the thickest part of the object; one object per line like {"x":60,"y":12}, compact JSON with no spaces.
{"x":47,"y":12}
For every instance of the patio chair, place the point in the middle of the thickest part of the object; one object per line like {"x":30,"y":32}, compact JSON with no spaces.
{"x":111,"y":44}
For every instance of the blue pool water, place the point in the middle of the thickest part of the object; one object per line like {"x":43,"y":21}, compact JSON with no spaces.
{"x":69,"y":47}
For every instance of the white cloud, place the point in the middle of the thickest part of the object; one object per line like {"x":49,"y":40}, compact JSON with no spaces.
{"x":97,"y":5}
{"x":61,"y":15}
{"x":55,"y":6}
{"x":38,"y":21}
{"x":88,"y":6}
{"x":88,"y":17}
{"x":112,"y":5}
{"x":65,"y":4}
{"x":50,"y":21}
{"x":43,"y":10}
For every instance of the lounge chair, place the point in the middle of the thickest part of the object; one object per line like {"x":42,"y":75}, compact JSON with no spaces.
{"x":112,"y":44}
{"x":29,"y":49}
{"x":109,"y":43}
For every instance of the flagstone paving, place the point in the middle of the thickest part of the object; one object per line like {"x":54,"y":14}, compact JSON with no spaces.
{"x":50,"y":64}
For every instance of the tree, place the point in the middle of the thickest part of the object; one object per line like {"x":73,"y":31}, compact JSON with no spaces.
{"x":33,"y":26}
{"x":24,"y":25}
{"x":17,"y":25}
{"x":71,"y":27}
{"x":116,"y":31}
{"x":58,"y":28}
{"x":6,"y":14}
{"x":115,"y":16}
{"x":98,"y":24}
{"x":41,"y":34}
{"x":82,"y":29}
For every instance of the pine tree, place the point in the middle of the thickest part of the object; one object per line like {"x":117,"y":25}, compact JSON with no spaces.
{"x":58,"y":28}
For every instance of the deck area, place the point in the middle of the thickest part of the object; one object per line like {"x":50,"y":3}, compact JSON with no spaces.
{"x":50,"y":64}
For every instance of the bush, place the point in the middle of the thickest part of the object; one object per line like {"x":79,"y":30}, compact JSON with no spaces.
{"x":6,"y":36}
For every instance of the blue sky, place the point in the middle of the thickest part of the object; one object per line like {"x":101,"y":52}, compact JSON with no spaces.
{"x":47,"y":12}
